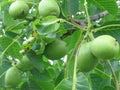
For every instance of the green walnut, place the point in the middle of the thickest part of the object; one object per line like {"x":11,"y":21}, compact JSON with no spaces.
{"x":56,"y":50}
{"x":18,"y":9}
{"x":13,"y":77}
{"x":48,"y":7}
{"x":25,"y":64}
{"x":86,"y":60}
{"x":105,"y":47}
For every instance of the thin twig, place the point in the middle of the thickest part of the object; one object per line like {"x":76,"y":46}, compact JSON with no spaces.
{"x":88,"y":16}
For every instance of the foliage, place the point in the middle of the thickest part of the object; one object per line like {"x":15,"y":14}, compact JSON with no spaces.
{"x":79,"y":21}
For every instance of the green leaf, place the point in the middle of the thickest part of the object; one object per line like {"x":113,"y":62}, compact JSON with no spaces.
{"x":30,"y":85}
{"x":72,"y":39}
{"x":60,"y":77}
{"x":65,"y":84}
{"x":49,"y":20}
{"x":10,"y":47}
{"x":70,"y":7}
{"x":48,"y":25}
{"x":115,"y":65}
{"x":49,"y":37}
{"x":99,"y":82}
{"x":11,"y":34}
{"x":7,"y":19}
{"x":36,"y":60}
{"x":46,"y":85}
{"x":95,"y":81}
{"x":42,"y":79}
{"x":105,"y":82}
{"x":51,"y":72}
{"x":3,"y":68}
{"x":108,"y":88}
{"x":4,"y":2}
{"x":44,"y":30}
{"x":109,"y":5}
{"x":82,"y":83}
{"x":15,"y":26}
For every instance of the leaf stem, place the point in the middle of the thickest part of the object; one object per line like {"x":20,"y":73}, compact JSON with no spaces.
{"x":114,"y":75}
{"x":2,"y":74}
{"x":89,"y":30}
{"x":9,"y":47}
{"x":96,"y":69}
{"x":106,"y":26}
{"x":12,"y":27}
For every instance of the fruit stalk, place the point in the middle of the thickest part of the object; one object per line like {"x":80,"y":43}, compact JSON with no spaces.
{"x":75,"y":63}
{"x":72,"y":53}
{"x":75,"y":70}
{"x":88,"y":17}
{"x":75,"y":25}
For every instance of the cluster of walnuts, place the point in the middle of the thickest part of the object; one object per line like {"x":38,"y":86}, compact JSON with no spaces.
{"x":103,"y":47}
{"x":53,"y":51}
{"x":20,"y":8}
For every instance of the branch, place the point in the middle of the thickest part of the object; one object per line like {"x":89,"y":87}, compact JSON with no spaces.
{"x":84,"y":22}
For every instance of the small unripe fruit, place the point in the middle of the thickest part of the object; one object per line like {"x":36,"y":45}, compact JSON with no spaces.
{"x":48,"y":7}
{"x":86,"y":60}
{"x":13,"y":77}
{"x":18,"y":9}
{"x":24,"y":64}
{"x":56,"y":50}
{"x":105,"y":47}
